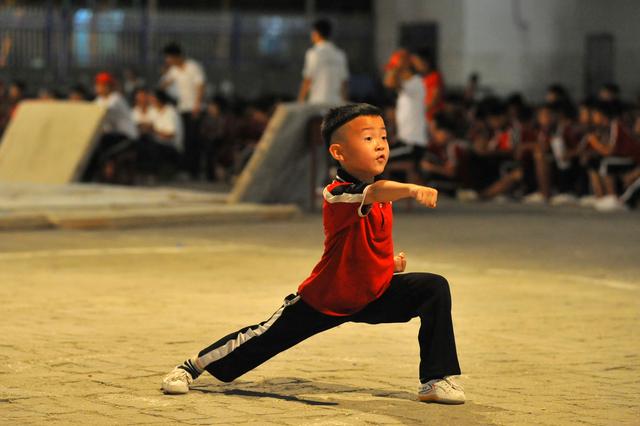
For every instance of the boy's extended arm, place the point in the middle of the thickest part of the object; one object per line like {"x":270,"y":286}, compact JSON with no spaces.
{"x":384,"y":191}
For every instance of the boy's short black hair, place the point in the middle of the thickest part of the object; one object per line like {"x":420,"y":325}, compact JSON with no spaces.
{"x":339,"y":116}
{"x":172,"y":49}
{"x":323,"y":27}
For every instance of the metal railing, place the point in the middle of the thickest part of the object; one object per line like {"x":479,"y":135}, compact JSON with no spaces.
{"x":257,"y":53}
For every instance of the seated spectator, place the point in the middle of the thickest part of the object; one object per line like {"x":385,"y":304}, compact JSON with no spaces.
{"x":78,"y":93}
{"x":131,"y":81}
{"x":609,"y":92}
{"x":565,"y":148}
{"x":15,"y":95}
{"x":617,"y":155}
{"x":556,"y":93}
{"x":539,"y":150}
{"x":118,"y":130}
{"x":143,"y":113}
{"x":251,"y":126}
{"x":47,"y":94}
{"x":215,"y":135}
{"x":440,"y":164}
{"x":491,"y":158}
{"x":159,"y":150}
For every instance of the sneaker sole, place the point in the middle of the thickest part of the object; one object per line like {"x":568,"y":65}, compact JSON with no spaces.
{"x":174,"y":391}
{"x":435,"y":399}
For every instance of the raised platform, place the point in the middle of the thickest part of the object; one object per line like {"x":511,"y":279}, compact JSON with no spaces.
{"x":79,"y":206}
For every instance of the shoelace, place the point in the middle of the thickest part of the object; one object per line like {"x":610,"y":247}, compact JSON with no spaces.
{"x":181,"y":374}
{"x":453,"y":384}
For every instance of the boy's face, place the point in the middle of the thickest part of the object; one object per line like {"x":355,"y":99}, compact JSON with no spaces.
{"x":361,"y":147}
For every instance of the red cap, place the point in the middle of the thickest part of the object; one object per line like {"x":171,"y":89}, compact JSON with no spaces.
{"x":396,"y":59}
{"x":105,"y":78}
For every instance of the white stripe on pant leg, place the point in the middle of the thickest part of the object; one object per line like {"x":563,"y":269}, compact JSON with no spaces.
{"x":242,"y":338}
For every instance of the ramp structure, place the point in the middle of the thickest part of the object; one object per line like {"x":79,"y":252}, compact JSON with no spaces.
{"x":49,"y":142}
{"x":280,"y":169}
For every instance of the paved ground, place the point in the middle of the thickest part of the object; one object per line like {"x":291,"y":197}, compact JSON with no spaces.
{"x":546,"y":310}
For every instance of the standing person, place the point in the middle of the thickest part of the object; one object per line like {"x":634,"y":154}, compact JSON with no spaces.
{"x":325,"y":70}
{"x":433,"y":83}
{"x":188,"y":79}
{"x":358,"y":279}
{"x":411,"y":124}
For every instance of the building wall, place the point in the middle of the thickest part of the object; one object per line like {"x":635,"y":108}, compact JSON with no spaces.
{"x":389,"y":15}
{"x":519,"y":45}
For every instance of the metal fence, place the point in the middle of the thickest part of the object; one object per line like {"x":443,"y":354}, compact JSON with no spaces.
{"x":257,"y":53}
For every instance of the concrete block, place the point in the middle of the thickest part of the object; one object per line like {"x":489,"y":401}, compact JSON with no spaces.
{"x":49,"y":142}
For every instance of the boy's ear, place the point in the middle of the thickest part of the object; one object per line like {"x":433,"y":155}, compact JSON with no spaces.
{"x":336,"y":152}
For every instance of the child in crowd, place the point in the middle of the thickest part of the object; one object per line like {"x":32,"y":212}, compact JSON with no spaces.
{"x":143,"y":113}
{"x":617,"y":152}
{"x":161,"y":147}
{"x":358,"y":279}
{"x":440,"y":165}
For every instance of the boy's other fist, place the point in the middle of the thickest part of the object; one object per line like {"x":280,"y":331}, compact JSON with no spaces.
{"x":424,"y":195}
{"x":400,"y":262}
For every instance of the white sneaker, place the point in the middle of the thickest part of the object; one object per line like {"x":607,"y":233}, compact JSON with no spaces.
{"x":610,"y":203}
{"x":177,"y":382}
{"x":588,"y":201}
{"x":563,"y":200}
{"x":500,"y":199}
{"x":465,"y":195}
{"x":442,"y":391}
{"x":534,"y":198}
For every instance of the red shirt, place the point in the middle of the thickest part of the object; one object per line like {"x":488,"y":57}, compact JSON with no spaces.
{"x":623,"y":144}
{"x":357,"y":264}
{"x":432,"y":82}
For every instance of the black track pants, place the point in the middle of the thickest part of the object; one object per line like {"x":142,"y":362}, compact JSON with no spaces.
{"x":410,"y":295}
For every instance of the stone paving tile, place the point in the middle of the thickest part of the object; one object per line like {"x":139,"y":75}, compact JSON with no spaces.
{"x":87,"y":337}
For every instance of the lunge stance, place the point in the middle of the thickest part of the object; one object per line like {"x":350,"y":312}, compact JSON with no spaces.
{"x":358,"y":278}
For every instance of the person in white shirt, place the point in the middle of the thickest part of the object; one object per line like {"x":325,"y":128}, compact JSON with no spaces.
{"x":118,"y":120}
{"x":325,"y":70}
{"x":143,"y":112}
{"x":118,"y":129}
{"x":411,"y":132}
{"x":188,"y":79}
{"x":161,"y":147}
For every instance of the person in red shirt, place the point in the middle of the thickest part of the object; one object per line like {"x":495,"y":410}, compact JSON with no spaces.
{"x":358,"y":278}
{"x":433,"y":82}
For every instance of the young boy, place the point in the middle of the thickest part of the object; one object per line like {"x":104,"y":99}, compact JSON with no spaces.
{"x":356,"y":280}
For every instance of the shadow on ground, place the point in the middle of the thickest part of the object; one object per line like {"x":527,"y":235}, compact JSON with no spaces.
{"x":402,"y":406}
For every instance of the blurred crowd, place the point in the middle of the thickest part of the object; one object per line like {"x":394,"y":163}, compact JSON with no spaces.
{"x":556,"y":152}
{"x":165,"y":131}
{"x":465,"y":142}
